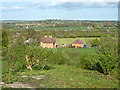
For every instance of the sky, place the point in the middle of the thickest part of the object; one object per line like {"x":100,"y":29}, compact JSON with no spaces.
{"x":59,"y":9}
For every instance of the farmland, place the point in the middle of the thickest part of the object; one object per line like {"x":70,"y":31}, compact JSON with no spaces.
{"x":70,"y":40}
{"x":62,"y":28}
{"x":61,"y":25}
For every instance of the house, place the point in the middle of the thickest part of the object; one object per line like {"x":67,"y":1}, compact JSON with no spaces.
{"x":77,"y":43}
{"x":48,"y":42}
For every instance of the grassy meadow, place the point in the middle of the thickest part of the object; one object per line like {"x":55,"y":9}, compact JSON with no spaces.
{"x":70,"y":40}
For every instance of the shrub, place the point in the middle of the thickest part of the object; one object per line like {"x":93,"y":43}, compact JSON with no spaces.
{"x":94,"y":42}
{"x":58,"y":56}
{"x":108,"y":54}
{"x":80,"y":59}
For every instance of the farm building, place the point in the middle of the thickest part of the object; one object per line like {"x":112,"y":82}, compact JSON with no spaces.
{"x":77,"y":43}
{"x":48,"y":42}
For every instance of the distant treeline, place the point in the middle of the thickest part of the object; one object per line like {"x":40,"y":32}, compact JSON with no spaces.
{"x":59,"y":23}
{"x":66,"y":34}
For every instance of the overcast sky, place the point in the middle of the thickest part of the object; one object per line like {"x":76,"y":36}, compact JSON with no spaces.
{"x":59,"y":9}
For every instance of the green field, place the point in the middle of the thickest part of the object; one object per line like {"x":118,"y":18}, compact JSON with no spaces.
{"x":62,"y":28}
{"x":70,"y":40}
{"x":80,"y":50}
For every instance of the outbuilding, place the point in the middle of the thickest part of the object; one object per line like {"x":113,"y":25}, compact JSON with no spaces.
{"x":77,"y":43}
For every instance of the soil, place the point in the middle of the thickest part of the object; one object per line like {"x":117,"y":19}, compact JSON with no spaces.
{"x":23,"y":84}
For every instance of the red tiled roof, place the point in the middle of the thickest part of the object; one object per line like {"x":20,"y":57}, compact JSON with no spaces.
{"x":48,"y":39}
{"x":78,"y":41}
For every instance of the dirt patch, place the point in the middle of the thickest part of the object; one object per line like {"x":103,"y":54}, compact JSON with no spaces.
{"x":24,"y":84}
{"x":38,"y":77}
{"x":17,"y":85}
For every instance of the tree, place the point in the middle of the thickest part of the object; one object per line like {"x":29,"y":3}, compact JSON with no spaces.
{"x":5,"y":38}
{"x":30,"y":33}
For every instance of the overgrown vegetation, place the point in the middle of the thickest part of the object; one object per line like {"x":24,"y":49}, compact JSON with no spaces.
{"x":19,"y":56}
{"x":108,"y":54}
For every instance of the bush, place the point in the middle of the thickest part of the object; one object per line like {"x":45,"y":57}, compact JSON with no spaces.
{"x":80,"y":59}
{"x":108,"y":54}
{"x":58,"y":56}
{"x":16,"y":57}
{"x":94,"y":42}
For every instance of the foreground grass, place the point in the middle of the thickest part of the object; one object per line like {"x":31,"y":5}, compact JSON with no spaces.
{"x":63,"y":76}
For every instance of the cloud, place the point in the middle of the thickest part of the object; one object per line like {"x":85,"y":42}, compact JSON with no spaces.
{"x":89,"y":0}
{"x":60,"y":4}
{"x":11,"y":8}
{"x":74,"y":5}
{"x":41,"y":5}
{"x":60,"y":0}
{"x":1,"y":8}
